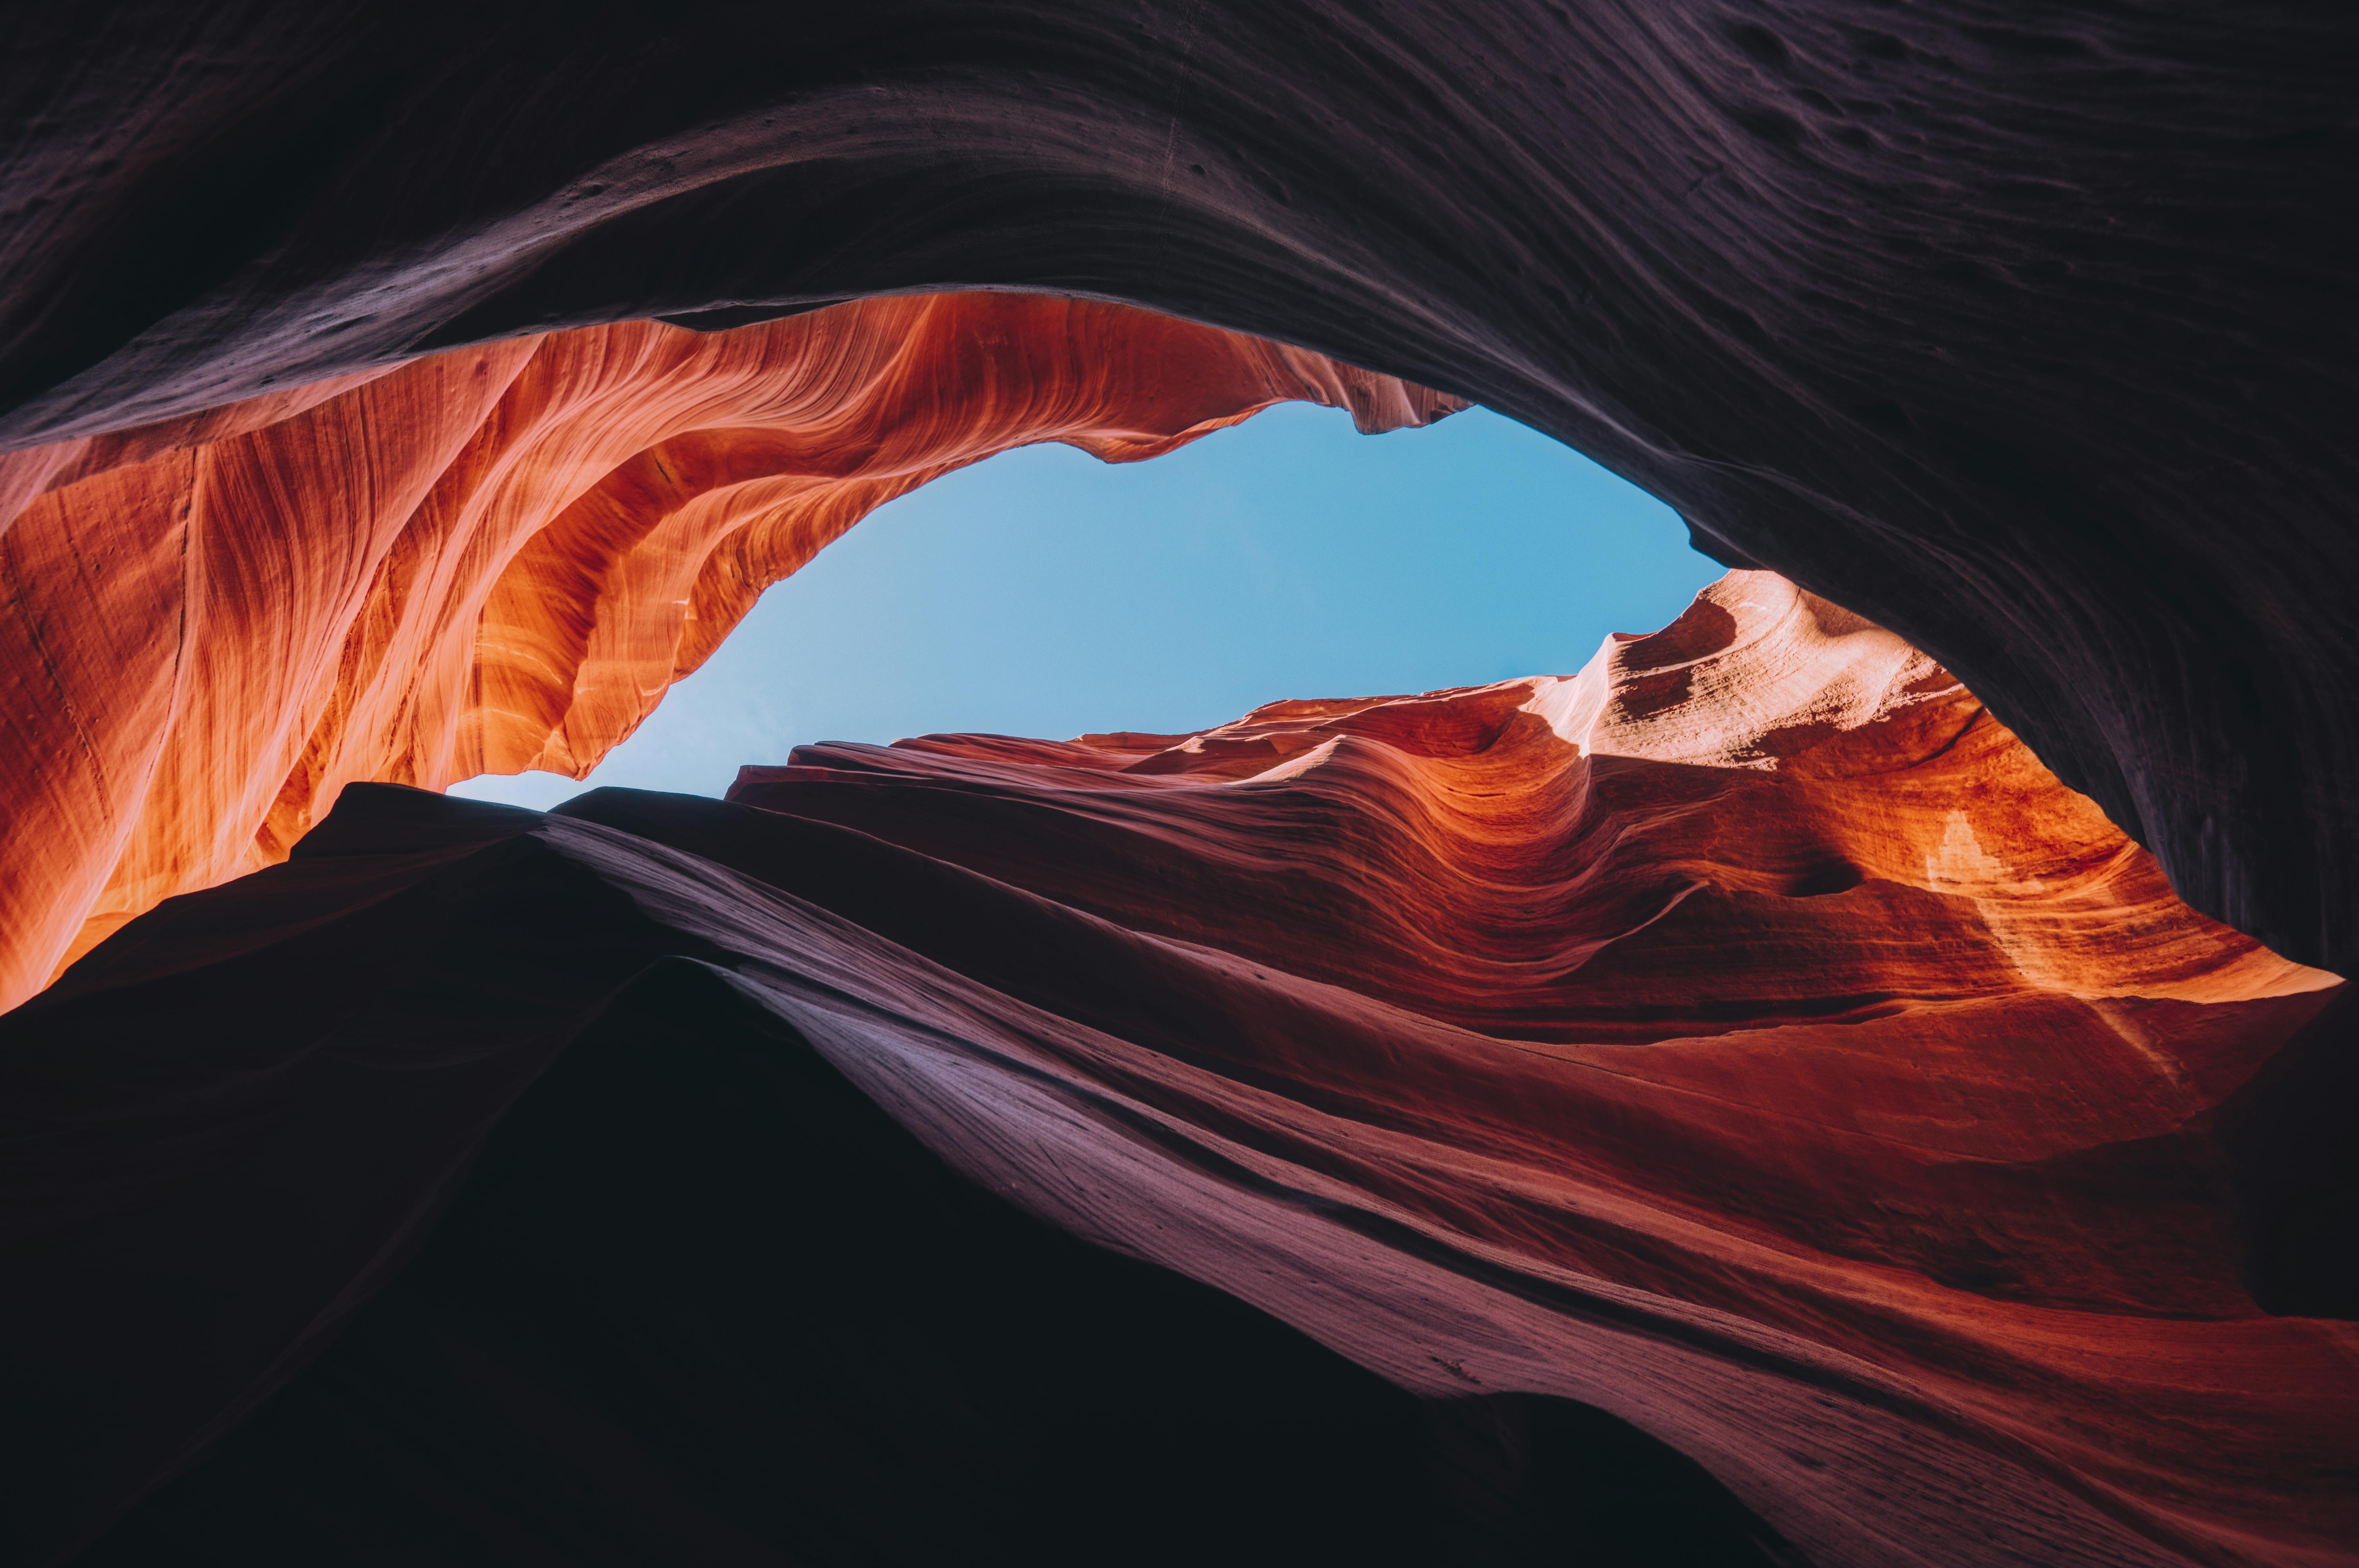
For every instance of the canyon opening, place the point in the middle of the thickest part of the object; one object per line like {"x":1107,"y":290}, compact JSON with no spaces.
{"x":1853,"y":1069}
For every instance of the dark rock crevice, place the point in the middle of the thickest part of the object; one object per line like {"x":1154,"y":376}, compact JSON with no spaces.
{"x":703,"y":1302}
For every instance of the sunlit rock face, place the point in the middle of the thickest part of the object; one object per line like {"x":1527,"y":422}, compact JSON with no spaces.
{"x":1769,"y":812}
{"x":1731,"y":1106}
{"x":2026,"y":335}
{"x":495,"y":559}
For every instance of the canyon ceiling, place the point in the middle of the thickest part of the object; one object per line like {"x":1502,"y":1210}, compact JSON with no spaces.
{"x":1747,"y":1072}
{"x":2024,"y":337}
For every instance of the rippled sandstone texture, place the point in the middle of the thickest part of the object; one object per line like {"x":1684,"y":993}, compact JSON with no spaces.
{"x":495,"y":558}
{"x":1729,"y":1107}
{"x":863,"y":1181}
{"x":2027,"y":335}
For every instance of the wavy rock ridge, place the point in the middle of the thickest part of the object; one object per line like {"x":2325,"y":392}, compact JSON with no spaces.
{"x":1744,"y":1041}
{"x":1728,"y":1108}
{"x":2024,"y":335}
{"x":495,"y":559}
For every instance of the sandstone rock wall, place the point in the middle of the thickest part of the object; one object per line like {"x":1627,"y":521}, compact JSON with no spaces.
{"x":2027,"y":336}
{"x":495,"y":559}
{"x":1746,"y":1038}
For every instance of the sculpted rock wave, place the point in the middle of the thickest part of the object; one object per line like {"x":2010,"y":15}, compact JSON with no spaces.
{"x":2024,"y":334}
{"x":495,"y":559}
{"x":1731,"y":1105}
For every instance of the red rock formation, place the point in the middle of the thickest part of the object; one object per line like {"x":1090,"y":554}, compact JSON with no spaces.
{"x":1746,"y":1038}
{"x":495,"y":558}
{"x":2024,"y":334}
{"x":1577,"y":859}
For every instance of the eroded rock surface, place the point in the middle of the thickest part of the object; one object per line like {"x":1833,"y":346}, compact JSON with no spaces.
{"x":1450,"y":1116}
{"x":495,"y":559}
{"x":2026,"y":335}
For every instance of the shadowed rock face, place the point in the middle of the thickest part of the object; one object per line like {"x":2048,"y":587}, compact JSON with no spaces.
{"x":2025,"y":336}
{"x":1734,"y":1106}
{"x":1731,"y":1105}
{"x":496,"y":558}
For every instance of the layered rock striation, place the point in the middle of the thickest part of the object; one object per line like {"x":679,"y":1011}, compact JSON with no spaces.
{"x":495,"y":558}
{"x":1731,"y":1105}
{"x":1734,"y":1106}
{"x":2027,"y":336}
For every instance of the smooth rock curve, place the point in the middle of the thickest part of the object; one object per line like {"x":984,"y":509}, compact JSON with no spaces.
{"x":2028,"y":337}
{"x":495,"y":559}
{"x":1744,"y":1039}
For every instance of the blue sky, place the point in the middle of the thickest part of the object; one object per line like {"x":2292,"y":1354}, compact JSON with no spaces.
{"x":1043,"y":592}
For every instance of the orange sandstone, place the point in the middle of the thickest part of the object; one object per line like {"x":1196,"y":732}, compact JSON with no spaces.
{"x":1771,"y":812}
{"x":1745,"y":1038}
{"x":495,"y":559}
{"x":1757,"y":972}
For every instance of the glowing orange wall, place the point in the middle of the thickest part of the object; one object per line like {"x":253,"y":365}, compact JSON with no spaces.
{"x":496,"y":558}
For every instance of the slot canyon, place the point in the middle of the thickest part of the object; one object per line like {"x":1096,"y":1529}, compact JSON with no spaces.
{"x":1858,"y":1075}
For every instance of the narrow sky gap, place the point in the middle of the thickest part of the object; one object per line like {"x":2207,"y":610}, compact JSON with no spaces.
{"x":1043,"y":592}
